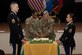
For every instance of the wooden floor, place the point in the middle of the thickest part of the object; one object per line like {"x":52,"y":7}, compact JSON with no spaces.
{"x":60,"y":54}
{"x":4,"y":27}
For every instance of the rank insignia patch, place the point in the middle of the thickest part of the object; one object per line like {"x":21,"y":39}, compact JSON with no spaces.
{"x":13,"y":20}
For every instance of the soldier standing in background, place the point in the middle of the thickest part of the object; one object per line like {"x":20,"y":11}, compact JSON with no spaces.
{"x":47,"y":26}
{"x":32,"y":26}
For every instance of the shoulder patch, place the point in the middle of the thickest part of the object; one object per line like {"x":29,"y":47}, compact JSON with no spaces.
{"x":70,"y":30}
{"x":13,"y":20}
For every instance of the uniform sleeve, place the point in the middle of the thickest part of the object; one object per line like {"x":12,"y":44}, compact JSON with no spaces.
{"x":62,"y":38}
{"x":21,"y":36}
{"x":26,"y":28}
{"x":51,"y":27}
{"x":71,"y":31}
{"x":32,"y":31}
{"x":29,"y":27}
{"x":12,"y":22}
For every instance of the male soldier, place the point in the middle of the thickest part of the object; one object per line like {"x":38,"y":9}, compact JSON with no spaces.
{"x":32,"y":26}
{"x":16,"y":34}
{"x":47,"y":26}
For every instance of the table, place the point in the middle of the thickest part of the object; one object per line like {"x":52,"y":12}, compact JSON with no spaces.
{"x":41,"y":49}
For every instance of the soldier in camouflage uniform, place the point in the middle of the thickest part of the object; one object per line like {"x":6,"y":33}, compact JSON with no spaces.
{"x":47,"y":26}
{"x":32,"y":26}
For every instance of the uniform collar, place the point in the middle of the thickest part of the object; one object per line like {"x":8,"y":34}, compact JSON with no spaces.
{"x":14,"y":12}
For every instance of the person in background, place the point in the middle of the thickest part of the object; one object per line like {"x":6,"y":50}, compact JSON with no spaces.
{"x":16,"y":34}
{"x":47,"y":26}
{"x":67,"y":37}
{"x":2,"y":52}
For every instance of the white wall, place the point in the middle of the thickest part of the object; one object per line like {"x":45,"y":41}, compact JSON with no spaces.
{"x":4,"y":43}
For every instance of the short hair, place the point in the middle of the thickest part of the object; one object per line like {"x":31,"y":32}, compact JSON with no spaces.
{"x":72,"y":16}
{"x":34,"y":11}
{"x":13,"y":3}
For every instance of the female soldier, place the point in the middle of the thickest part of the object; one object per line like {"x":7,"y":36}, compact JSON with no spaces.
{"x":67,"y":37}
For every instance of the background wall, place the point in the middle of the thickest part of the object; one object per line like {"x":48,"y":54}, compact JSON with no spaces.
{"x":4,"y":43}
{"x":69,"y":6}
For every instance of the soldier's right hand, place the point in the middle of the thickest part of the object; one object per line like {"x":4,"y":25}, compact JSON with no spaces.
{"x":23,"y":41}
